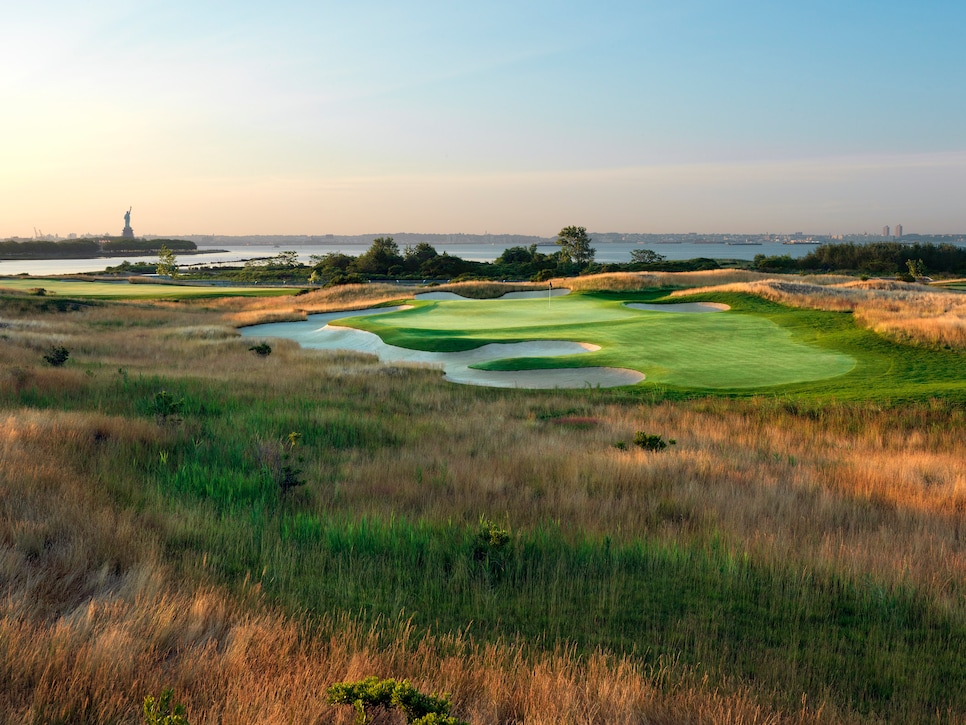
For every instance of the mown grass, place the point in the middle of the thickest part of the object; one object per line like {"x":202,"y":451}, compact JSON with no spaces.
{"x":688,"y":350}
{"x":758,"y":346}
{"x":788,"y":549}
{"x":885,"y":370}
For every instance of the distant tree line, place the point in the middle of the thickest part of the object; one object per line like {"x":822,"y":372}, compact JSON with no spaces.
{"x":87,"y":248}
{"x":37,"y":249}
{"x":147,"y":246}
{"x":877,"y":258}
{"x":385,"y":260}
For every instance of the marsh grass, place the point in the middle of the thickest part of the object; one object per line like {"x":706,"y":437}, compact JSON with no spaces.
{"x":791,"y":559}
{"x":636,"y":281}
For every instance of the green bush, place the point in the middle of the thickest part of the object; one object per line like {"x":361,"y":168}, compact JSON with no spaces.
{"x":372,"y":692}
{"x":282,"y":463}
{"x":263,"y":349}
{"x":651,"y":442}
{"x":492,"y":548}
{"x":160,"y":711}
{"x":57,"y":356}
{"x":166,"y":407}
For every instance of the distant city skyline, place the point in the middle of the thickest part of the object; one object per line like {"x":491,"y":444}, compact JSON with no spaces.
{"x":520,"y":118}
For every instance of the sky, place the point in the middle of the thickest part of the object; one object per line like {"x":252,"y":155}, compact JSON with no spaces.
{"x":290,"y":117}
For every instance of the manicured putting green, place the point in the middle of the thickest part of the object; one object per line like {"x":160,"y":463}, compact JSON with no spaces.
{"x":123,"y":289}
{"x":720,"y":350}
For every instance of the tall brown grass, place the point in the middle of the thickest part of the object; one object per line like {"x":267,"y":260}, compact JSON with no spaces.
{"x":93,"y":617}
{"x":93,"y":620}
{"x":287,"y":308}
{"x":630,"y":281}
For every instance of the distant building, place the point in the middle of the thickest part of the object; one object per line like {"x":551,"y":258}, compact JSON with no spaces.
{"x":885,"y":231}
{"x":898,"y":231}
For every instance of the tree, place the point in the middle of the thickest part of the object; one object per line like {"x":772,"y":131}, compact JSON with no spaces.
{"x":575,"y":245}
{"x":383,"y":254}
{"x":167,"y":262}
{"x":284,"y":260}
{"x":517,"y":255}
{"x":646,"y":256}
{"x":418,"y":255}
{"x":916,"y":269}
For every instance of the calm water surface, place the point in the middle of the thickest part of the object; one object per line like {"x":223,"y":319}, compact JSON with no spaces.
{"x":616,"y":252}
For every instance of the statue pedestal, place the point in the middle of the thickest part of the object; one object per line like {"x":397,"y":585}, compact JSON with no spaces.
{"x":127,"y":233}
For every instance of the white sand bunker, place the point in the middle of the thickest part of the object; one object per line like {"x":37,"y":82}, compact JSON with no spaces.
{"x":688,"y":307}
{"x":525,"y":295}
{"x":455,"y":365}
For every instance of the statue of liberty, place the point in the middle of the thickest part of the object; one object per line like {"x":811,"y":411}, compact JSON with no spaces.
{"x":127,"y":232}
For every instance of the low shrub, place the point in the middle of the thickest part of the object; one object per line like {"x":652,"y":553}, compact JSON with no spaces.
{"x":57,"y":356}
{"x":651,"y":442}
{"x":373,"y":692}
{"x":161,"y":711}
{"x":492,"y":548}
{"x":166,"y":407}
{"x":280,"y":460}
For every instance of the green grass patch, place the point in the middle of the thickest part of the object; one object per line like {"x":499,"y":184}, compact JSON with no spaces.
{"x":883,"y":652}
{"x":757,"y":346}
{"x":709,"y":350}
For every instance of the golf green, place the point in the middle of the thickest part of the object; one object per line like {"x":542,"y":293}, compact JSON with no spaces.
{"x":720,"y":350}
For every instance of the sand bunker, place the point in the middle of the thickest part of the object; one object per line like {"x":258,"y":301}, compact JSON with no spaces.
{"x":688,"y":307}
{"x":316,"y":333}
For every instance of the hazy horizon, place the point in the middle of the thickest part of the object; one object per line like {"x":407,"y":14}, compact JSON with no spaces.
{"x":508,"y":118}
{"x":601,"y":237}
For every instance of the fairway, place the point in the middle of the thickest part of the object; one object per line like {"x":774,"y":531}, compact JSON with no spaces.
{"x":123,"y":289}
{"x":722,"y":350}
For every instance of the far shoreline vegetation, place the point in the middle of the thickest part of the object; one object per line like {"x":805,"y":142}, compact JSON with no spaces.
{"x":91,"y":248}
{"x":384,"y":260}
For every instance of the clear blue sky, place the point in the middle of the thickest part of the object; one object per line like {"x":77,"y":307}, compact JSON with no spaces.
{"x":319,"y":117}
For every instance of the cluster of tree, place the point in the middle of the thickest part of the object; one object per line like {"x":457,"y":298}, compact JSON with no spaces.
{"x":877,"y":258}
{"x":87,"y":248}
{"x":37,"y":249}
{"x":385,"y":260}
{"x":284,"y":267}
{"x":575,"y":255}
{"x":146,"y":246}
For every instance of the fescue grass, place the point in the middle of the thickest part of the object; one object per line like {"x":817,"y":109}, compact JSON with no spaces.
{"x":131,"y":288}
{"x":792,"y":559}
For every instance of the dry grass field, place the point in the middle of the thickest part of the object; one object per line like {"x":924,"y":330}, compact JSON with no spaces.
{"x":128,"y":566}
